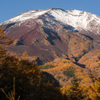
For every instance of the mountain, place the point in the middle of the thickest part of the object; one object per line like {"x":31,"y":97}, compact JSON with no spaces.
{"x":79,"y":20}
{"x":50,"y":33}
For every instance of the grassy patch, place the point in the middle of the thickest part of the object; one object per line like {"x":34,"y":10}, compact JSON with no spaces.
{"x":46,"y":66}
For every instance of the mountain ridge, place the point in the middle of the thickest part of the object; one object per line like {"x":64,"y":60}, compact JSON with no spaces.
{"x":51,"y":33}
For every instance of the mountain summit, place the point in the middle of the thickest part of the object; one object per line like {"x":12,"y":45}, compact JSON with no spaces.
{"x":80,"y":20}
{"x":50,"y":33}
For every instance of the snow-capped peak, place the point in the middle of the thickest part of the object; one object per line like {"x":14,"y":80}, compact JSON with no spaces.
{"x":78,"y":19}
{"x":75,"y":12}
{"x":71,"y":17}
{"x":75,"y":18}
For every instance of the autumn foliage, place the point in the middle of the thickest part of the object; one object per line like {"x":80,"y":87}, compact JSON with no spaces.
{"x":22,"y":80}
{"x":30,"y":83}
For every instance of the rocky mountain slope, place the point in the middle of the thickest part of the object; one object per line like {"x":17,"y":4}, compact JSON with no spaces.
{"x":51,"y":33}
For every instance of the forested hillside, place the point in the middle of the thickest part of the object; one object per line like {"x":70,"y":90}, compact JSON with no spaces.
{"x":22,"y":80}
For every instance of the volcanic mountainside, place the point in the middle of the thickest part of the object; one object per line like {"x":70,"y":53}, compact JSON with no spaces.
{"x":51,"y":33}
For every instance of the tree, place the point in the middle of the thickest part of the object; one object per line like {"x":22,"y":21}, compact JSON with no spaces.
{"x":25,"y":55}
{"x":75,"y":92}
{"x":30,"y":81}
{"x":11,"y":95}
{"x":95,"y":87}
{"x":4,"y":42}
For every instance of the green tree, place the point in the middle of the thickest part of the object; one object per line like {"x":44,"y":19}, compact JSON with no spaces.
{"x":75,"y":92}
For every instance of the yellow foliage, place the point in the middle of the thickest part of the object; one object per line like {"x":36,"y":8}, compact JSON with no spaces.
{"x":25,"y":55}
{"x":46,"y":42}
{"x":61,"y":65}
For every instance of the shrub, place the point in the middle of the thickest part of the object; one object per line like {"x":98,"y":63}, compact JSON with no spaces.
{"x":69,"y":72}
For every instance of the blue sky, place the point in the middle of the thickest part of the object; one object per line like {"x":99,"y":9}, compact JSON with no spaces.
{"x":11,"y":8}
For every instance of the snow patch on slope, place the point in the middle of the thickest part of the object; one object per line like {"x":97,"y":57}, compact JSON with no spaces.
{"x":75,"y":18}
{"x":25,"y":16}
